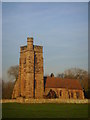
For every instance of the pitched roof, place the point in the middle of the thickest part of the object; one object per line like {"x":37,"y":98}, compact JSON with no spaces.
{"x":55,"y":82}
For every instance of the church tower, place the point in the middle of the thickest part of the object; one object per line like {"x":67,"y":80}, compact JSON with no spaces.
{"x":30,"y":82}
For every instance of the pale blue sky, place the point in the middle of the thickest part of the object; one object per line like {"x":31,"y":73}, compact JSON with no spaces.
{"x":45,"y":0}
{"x":62,"y":29}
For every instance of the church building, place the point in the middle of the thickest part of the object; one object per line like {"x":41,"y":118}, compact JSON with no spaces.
{"x":31,"y":82}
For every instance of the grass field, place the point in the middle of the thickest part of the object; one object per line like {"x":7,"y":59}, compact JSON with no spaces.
{"x":16,"y":110}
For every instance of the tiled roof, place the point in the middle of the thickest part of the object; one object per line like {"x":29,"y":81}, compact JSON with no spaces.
{"x":55,"y":82}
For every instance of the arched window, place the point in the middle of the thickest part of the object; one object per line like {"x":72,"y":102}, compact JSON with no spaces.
{"x":51,"y":94}
{"x":77,"y":95}
{"x":71,"y":94}
{"x":60,"y":92}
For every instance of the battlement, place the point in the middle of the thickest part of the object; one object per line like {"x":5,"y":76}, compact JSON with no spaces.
{"x":38,"y":48}
{"x":22,"y":48}
{"x":29,"y":39}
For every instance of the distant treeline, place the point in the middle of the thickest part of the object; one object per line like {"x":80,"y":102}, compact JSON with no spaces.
{"x":7,"y":88}
{"x":72,"y":73}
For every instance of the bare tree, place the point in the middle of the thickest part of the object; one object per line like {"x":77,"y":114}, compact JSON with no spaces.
{"x":13,"y":72}
{"x":77,"y":73}
{"x":7,"y":88}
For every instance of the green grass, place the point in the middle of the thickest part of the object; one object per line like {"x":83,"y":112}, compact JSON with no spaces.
{"x":16,"y":110}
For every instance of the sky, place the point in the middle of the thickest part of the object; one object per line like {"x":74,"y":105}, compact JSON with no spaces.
{"x":45,"y":0}
{"x":61,"y":28}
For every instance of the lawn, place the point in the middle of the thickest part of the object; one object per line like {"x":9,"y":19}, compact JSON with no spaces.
{"x":16,"y":110}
